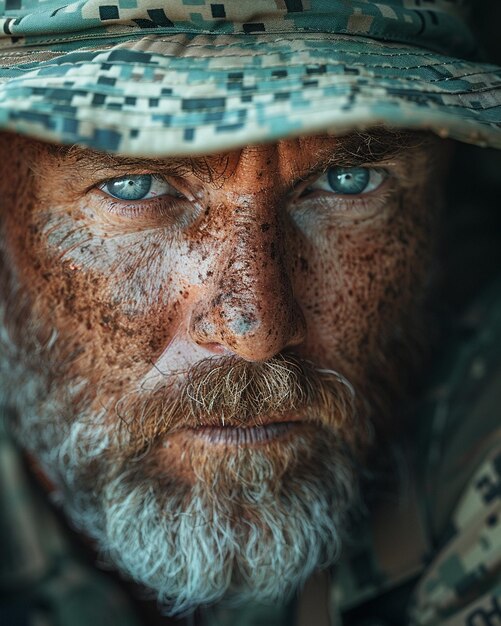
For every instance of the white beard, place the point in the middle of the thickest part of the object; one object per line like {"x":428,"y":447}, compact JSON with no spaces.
{"x":195,"y":545}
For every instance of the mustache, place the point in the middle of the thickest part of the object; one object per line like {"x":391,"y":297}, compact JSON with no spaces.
{"x":231,"y":392}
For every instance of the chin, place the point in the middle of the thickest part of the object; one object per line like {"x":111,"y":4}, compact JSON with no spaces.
{"x":251,"y":524}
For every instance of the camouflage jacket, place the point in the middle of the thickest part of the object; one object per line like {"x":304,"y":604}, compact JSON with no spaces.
{"x":429,"y":558}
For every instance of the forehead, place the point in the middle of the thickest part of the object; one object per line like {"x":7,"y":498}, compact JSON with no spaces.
{"x":299,"y":153}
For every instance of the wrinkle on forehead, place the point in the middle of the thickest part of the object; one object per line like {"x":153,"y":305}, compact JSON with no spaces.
{"x":321,"y":151}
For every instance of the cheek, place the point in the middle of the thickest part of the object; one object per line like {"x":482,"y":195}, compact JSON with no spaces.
{"x":363,"y":280}
{"x":115,"y":302}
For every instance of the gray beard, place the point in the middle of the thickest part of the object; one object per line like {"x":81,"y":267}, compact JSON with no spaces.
{"x":235,"y":534}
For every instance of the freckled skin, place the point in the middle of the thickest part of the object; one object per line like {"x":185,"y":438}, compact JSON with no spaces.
{"x":250,"y":267}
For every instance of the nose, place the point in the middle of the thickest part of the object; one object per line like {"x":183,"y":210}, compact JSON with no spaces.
{"x":249,"y":306}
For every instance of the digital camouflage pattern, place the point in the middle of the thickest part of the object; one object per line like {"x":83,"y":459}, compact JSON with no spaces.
{"x":436,"y":24}
{"x":462,"y":584}
{"x":453,"y":591}
{"x":193,"y":76}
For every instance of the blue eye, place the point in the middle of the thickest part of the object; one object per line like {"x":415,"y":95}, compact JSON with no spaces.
{"x":129,"y":188}
{"x":134,"y":187}
{"x":349,"y":181}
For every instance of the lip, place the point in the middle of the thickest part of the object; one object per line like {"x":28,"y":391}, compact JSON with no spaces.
{"x":244,"y":436}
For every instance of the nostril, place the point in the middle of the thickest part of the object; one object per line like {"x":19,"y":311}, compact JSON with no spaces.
{"x":216,"y":348}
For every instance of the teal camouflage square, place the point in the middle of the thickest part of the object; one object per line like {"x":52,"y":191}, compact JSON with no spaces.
{"x":144,"y":77}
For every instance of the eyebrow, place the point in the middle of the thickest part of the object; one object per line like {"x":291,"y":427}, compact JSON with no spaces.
{"x":366,"y":148}
{"x":372,"y":147}
{"x":350,"y":150}
{"x":103,"y":161}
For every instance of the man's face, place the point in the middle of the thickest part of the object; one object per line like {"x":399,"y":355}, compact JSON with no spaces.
{"x":202,"y":352}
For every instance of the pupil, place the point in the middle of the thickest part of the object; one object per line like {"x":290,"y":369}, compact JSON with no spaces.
{"x":348,"y":180}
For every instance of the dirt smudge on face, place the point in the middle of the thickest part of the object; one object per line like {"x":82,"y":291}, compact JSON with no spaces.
{"x":267,"y":269}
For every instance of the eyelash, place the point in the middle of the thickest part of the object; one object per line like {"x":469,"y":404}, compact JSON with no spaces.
{"x":172,"y":210}
{"x":373,"y":200}
{"x":327,"y":208}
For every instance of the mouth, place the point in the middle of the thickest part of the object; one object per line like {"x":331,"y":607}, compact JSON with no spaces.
{"x":243,"y":436}
{"x":237,"y":435}
{"x":194,"y":451}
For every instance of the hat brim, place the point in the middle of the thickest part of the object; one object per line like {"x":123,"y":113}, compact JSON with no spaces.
{"x":184,"y":94}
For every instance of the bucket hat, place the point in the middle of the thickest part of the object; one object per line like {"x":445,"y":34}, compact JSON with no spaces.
{"x":152,"y":78}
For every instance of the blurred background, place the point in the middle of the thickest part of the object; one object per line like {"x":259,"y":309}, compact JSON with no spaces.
{"x":472,"y":229}
{"x":487,"y":20}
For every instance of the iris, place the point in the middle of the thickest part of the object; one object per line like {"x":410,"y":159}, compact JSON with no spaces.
{"x":348,"y":180}
{"x":132,"y":187}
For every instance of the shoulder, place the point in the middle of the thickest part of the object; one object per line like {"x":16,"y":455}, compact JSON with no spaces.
{"x":461,"y":586}
{"x":462,"y":478}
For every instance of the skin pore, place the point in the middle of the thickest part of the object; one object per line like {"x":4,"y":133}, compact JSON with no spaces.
{"x":246,"y":273}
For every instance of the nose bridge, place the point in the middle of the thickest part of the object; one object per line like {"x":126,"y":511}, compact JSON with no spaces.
{"x":254,"y":271}
{"x":249,"y":307}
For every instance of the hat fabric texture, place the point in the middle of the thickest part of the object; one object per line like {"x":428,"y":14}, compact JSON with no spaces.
{"x":185,"y":77}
